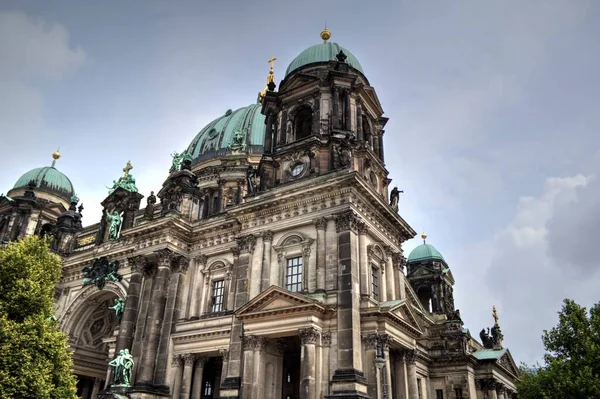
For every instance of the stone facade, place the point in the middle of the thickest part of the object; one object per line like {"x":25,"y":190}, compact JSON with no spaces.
{"x":277,"y":274}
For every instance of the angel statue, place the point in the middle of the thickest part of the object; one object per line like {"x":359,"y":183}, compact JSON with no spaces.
{"x":115,"y":224}
{"x":177,"y":157}
{"x":118,"y":307}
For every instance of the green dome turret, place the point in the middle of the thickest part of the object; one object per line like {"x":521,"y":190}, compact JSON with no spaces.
{"x":242,"y":130}
{"x":47,"y":178}
{"x":424,"y":252}
{"x":322,"y":53}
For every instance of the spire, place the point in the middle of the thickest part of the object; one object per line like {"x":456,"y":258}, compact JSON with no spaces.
{"x":55,"y":156}
{"x":270,"y":80}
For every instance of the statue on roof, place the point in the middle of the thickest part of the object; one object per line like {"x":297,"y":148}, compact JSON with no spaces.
{"x":179,"y":159}
{"x":123,"y":365}
{"x":394,"y":198}
{"x":114,"y":221}
{"x":238,"y":143}
{"x":126,"y":182}
{"x":150,"y":203}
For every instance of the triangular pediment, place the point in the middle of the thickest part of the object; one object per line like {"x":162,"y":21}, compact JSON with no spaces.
{"x":506,"y":361}
{"x":299,"y":80}
{"x":404,"y":312}
{"x":276,"y":299}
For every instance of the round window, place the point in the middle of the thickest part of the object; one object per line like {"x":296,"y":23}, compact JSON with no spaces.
{"x":297,"y":169}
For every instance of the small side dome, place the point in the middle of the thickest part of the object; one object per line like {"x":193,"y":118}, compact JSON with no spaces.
{"x":321,"y":53}
{"x":242,"y":129}
{"x":47,"y":178}
{"x":425,"y":252}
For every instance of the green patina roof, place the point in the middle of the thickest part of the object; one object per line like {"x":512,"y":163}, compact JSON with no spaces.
{"x":48,"y":178}
{"x":216,"y":137}
{"x":322,"y":52}
{"x":425,"y":252}
{"x":489,"y":354}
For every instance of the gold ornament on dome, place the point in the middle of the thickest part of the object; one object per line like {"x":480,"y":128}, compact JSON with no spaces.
{"x":325,"y":34}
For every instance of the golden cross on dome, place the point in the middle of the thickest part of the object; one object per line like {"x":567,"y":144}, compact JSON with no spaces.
{"x":127,"y":168}
{"x":495,"y":315}
{"x":272,"y":62}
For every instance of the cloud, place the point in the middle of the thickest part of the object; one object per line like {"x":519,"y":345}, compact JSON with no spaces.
{"x":540,"y":258}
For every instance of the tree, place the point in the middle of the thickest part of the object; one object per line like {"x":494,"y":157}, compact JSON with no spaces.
{"x":572,"y":359}
{"x":34,"y":357}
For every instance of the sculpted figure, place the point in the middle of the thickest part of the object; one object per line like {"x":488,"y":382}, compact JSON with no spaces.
{"x":122,"y":364}
{"x":394,"y":198}
{"x":115,"y":224}
{"x":176,"y":162}
{"x":118,"y":307}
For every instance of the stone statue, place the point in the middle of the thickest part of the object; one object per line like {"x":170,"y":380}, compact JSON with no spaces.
{"x":251,"y":179}
{"x":394,"y":198}
{"x":238,"y":143}
{"x":118,"y":307}
{"x":126,"y":182}
{"x":486,"y":340}
{"x":123,"y":365}
{"x":115,"y":224}
{"x":454,"y":315}
{"x":150,"y":202}
{"x":497,"y":337}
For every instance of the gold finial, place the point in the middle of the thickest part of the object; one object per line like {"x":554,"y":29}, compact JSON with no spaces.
{"x":270,"y":78}
{"x":495,"y":315}
{"x":55,"y":156}
{"x":325,"y":34}
{"x":127,"y":168}
{"x":423,"y":236}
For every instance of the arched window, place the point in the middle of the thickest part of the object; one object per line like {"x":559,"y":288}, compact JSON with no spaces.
{"x":303,"y":123}
{"x":367,"y":131}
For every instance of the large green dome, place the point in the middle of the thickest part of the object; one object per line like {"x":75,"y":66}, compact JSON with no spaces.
{"x":47,"y":178}
{"x":424,"y":252}
{"x":218,"y":137}
{"x":319,"y":53}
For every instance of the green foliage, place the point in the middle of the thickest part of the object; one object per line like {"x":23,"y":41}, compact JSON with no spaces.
{"x":34,"y":361}
{"x":572,"y":359}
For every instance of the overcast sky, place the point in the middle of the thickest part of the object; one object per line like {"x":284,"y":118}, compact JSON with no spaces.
{"x":493,"y":106}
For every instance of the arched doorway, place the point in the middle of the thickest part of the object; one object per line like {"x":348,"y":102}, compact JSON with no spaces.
{"x":91,"y":327}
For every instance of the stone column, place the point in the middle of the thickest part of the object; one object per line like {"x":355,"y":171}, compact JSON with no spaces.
{"x":385,"y":340}
{"x":398,"y":262}
{"x":242,"y":257}
{"x":316,"y":114}
{"x":371,"y":372}
{"x":411,"y":371}
{"x":336,"y":107}
{"x":308,"y":371}
{"x":283,"y":131}
{"x":389,"y":273}
{"x":198,"y":374}
{"x":381,"y":154}
{"x":172,"y":313}
{"x":240,"y":191}
{"x":219,"y":207}
{"x":266,"y":266}
{"x":159,"y":297}
{"x":401,"y":387}
{"x":249,"y":343}
{"x":188,"y":369}
{"x":348,"y":379}
{"x":347,"y":113}
{"x":258,"y":387}
{"x":197,"y":288}
{"x":224,"y":358}
{"x":268,"y":144}
{"x":177,"y":374}
{"x":130,"y":313}
{"x":500,"y":391}
{"x":97,"y":387}
{"x":325,"y":373}
{"x":305,"y":269}
{"x":376,"y":144}
{"x":363,"y":263}
{"x":321,"y":225}
{"x":359,"y":130}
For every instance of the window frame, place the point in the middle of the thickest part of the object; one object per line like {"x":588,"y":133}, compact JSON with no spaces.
{"x":294,"y":245}
{"x":217,"y":270}
{"x":223,"y":304}
{"x":298,"y":268}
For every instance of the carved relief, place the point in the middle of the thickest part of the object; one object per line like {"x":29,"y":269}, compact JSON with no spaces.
{"x":164,"y":257}
{"x":137,"y":263}
{"x":268,"y":236}
{"x":308,"y":335}
{"x":321,"y":223}
{"x":346,"y":220}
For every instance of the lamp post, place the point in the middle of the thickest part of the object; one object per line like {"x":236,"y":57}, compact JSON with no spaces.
{"x":380,"y":364}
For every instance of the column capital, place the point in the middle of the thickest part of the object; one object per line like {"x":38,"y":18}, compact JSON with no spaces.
{"x":346,"y":220}
{"x":189,"y":359}
{"x":137,"y":263}
{"x":321,"y":223}
{"x":309,"y":335}
{"x":164,"y":256}
{"x":408,"y":355}
{"x":224,"y":353}
{"x":362,"y":228}
{"x":201,"y":259}
{"x":201,"y":360}
{"x":177,"y":360}
{"x":181,"y":264}
{"x":398,"y":260}
{"x":245,"y":244}
{"x":326,"y":338}
{"x":268,"y":236}
{"x":253,"y":342}
{"x":372,"y":340}
{"x":486,"y":383}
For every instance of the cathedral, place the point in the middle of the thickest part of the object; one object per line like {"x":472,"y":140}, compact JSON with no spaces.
{"x":269,"y":265}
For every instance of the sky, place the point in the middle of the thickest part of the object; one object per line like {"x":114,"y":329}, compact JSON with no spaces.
{"x":493,"y":107}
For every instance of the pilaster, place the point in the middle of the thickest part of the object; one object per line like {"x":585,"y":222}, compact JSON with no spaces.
{"x":308,"y":372}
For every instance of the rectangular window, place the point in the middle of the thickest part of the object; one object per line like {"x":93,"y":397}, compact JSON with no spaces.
{"x":419,"y":389}
{"x":375,"y":283}
{"x":293,"y":274}
{"x":218,"y":296}
{"x":439,"y":394}
{"x":458,"y":393}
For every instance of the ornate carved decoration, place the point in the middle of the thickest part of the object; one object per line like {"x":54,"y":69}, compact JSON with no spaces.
{"x":410,"y":355}
{"x":486,"y":383}
{"x":308,"y":335}
{"x":224,"y":354}
{"x":362,"y":228}
{"x":164,"y":257}
{"x":201,"y":361}
{"x":246,"y":243}
{"x":253,"y":342}
{"x":138,"y":263}
{"x":100,"y":272}
{"x":326,"y":338}
{"x":321,"y":223}
{"x":346,"y":220}
{"x":181,"y":264}
{"x":268,"y":236}
{"x":398,"y":260}
{"x":189,"y":359}
{"x":306,"y":252}
{"x":177,"y":361}
{"x":235,"y":251}
{"x":372,"y":340}
{"x":202,"y":259}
